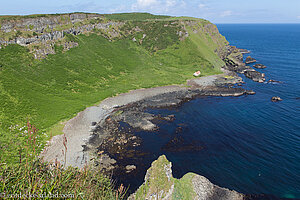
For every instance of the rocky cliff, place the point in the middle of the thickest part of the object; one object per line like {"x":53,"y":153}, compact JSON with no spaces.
{"x":160,"y":184}
{"x":41,"y":33}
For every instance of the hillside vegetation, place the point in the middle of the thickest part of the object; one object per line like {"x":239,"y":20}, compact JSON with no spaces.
{"x":145,"y":51}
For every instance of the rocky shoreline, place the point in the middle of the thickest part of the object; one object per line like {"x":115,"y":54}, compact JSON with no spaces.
{"x":112,"y":144}
{"x":103,"y":136}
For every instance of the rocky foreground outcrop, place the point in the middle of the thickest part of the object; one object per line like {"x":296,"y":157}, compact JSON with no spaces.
{"x":160,"y":184}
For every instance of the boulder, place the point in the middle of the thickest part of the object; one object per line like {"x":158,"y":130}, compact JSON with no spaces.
{"x":255,"y":75}
{"x":244,"y":51}
{"x":275,"y":99}
{"x":259,"y":66}
{"x":250,"y":92}
{"x":273,"y":81}
{"x":130,"y":168}
{"x":249,"y":60}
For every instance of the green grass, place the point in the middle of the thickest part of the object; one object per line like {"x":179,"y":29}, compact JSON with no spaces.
{"x":183,"y":188}
{"x":48,"y":92}
{"x":56,"y":88}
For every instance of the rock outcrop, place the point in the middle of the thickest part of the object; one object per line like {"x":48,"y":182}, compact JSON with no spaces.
{"x":249,"y":60}
{"x":160,"y":184}
{"x":255,"y":75}
{"x":259,"y":66}
{"x":234,"y":63}
{"x":275,"y":99}
{"x":41,"y":33}
{"x":244,"y":51}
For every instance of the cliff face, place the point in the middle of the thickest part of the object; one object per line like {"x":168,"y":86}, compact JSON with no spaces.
{"x":160,"y":184}
{"x":40,"y":33}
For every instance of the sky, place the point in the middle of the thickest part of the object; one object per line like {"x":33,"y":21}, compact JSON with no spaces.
{"x":217,"y":11}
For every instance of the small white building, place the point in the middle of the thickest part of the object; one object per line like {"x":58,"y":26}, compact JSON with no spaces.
{"x":197,"y":73}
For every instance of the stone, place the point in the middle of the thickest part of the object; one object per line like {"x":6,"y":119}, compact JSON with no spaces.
{"x":130,"y":168}
{"x":244,"y":51}
{"x":249,"y":60}
{"x":273,"y":81}
{"x":250,"y":92}
{"x":255,"y":75}
{"x":259,"y":66}
{"x":275,"y":99}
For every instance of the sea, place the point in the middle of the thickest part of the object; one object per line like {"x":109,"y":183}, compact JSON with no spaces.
{"x":248,"y":143}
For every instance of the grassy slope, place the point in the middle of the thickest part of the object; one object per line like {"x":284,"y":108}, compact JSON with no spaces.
{"x":60,"y":86}
{"x":159,"y":183}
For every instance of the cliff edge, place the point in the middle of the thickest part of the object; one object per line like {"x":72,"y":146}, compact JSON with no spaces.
{"x":160,"y":184}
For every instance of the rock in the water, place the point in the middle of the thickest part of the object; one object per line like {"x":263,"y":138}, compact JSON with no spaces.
{"x":160,"y":184}
{"x":259,"y":66}
{"x":275,"y":99}
{"x":249,"y":60}
{"x":244,"y":51}
{"x":273,"y":81}
{"x":255,"y":75}
{"x":250,"y":92}
{"x":130,"y":168}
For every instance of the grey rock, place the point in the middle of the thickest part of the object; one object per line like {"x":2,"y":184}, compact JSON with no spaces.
{"x":255,"y":76}
{"x":259,"y":66}
{"x":275,"y":99}
{"x":249,"y":60}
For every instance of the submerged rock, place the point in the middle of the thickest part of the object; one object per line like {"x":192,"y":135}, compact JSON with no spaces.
{"x":160,"y":184}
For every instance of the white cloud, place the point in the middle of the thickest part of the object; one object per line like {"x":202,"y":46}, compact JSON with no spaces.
{"x":170,"y":3}
{"x":298,"y":17}
{"x":144,"y":3}
{"x":202,"y":5}
{"x":226,"y":13}
{"x":118,"y":9}
{"x":157,"y":6}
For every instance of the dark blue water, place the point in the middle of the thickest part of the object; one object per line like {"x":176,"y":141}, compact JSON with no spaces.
{"x":250,"y":144}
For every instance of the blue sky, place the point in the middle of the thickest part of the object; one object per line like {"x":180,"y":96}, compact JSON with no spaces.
{"x":217,"y":11}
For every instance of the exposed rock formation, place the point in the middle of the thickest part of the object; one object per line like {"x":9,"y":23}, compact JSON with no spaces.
{"x":249,"y":60}
{"x":244,"y":51}
{"x":259,"y":66}
{"x":42,"y":32}
{"x":255,"y":75}
{"x":160,"y":184}
{"x":275,"y":99}
{"x":234,"y":63}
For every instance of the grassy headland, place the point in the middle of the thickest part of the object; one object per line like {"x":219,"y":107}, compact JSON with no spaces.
{"x":50,"y":90}
{"x":148,"y":51}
